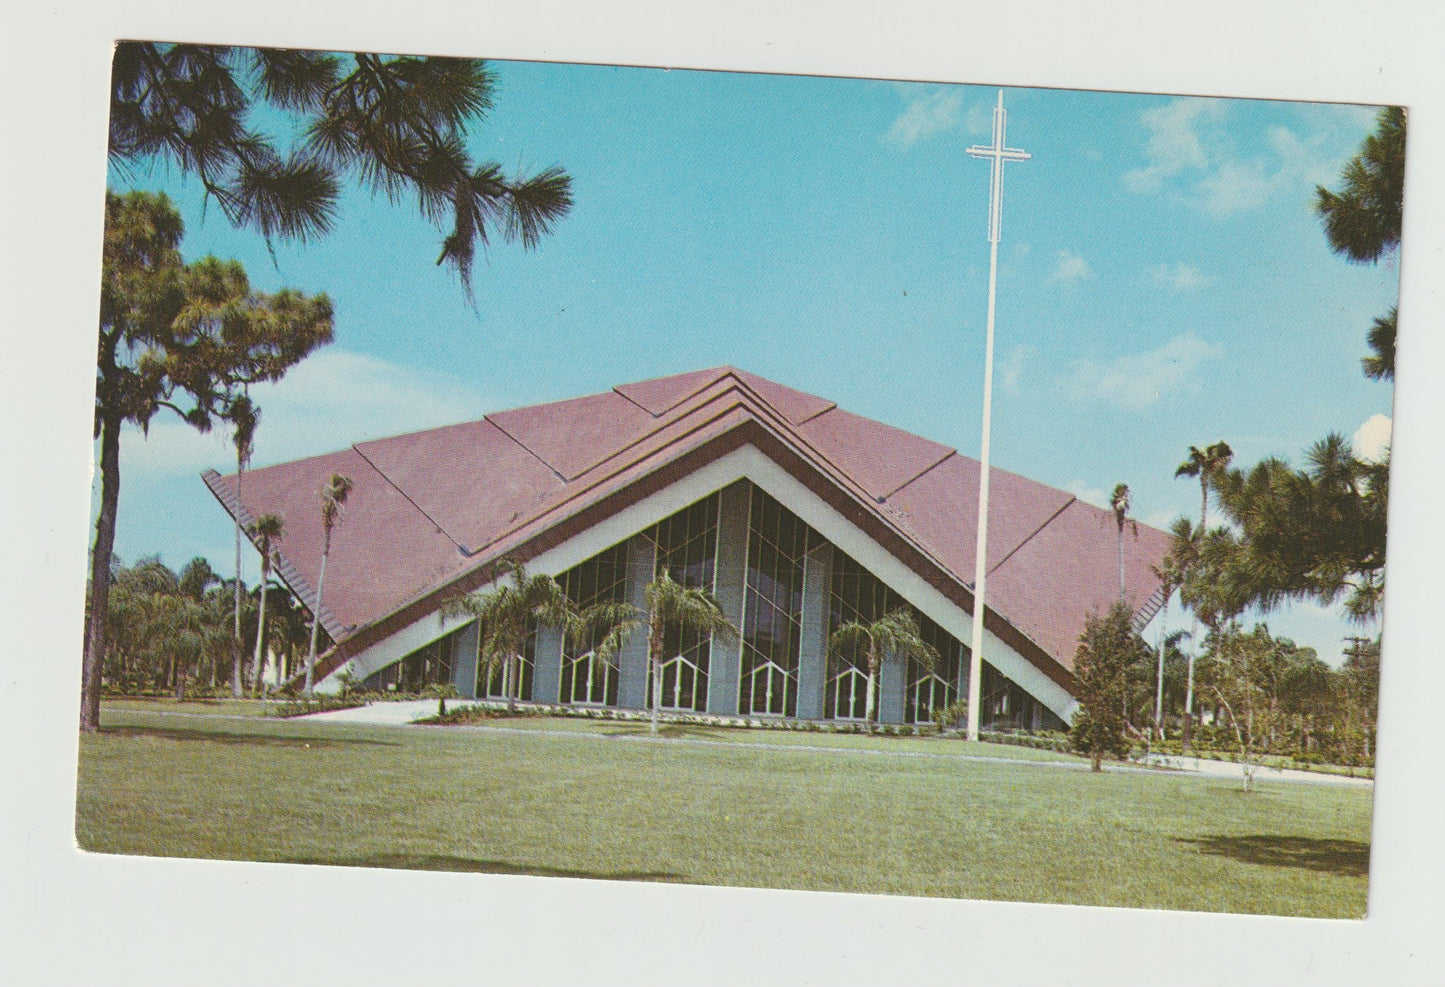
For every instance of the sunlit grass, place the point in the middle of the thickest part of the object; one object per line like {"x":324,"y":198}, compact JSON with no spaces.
{"x":607,"y":802}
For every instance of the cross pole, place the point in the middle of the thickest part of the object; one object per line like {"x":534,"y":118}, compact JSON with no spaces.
{"x":996,"y":154}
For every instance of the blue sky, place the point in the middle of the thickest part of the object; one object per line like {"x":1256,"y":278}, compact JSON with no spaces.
{"x":1163,"y":282}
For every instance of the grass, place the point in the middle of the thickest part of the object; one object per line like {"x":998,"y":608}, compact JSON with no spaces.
{"x":601,"y":800}
{"x":205,"y":707}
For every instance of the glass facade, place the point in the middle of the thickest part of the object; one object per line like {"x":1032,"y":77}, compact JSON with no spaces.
{"x":772,"y":608}
{"x":429,"y":665}
{"x":856,"y":595}
{"x":687,"y":551}
{"x":493,"y":683}
{"x":772,"y":672}
{"x":587,"y":679}
{"x":929,"y":690}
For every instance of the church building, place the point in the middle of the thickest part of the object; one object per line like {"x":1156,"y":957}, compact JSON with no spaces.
{"x":796,"y":514}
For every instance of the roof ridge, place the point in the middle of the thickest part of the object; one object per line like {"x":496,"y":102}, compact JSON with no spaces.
{"x":523,"y":446}
{"x":949,"y":454}
{"x":408,"y":497}
{"x":1033,"y":534}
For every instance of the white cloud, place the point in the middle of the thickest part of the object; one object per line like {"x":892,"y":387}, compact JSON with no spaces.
{"x":1180,"y":276}
{"x":1012,"y":367}
{"x":1090,"y":495}
{"x":1190,"y":153}
{"x":1174,"y":143}
{"x":979,"y":119}
{"x":929,"y":111}
{"x":1070,"y":267}
{"x":325,"y":403}
{"x":1138,"y":380}
{"x":1372,"y":439}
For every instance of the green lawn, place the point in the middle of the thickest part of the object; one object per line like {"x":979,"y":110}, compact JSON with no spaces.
{"x":207,"y":707}
{"x":584,"y":799}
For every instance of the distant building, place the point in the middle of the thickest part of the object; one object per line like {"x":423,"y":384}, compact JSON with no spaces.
{"x":796,"y":514}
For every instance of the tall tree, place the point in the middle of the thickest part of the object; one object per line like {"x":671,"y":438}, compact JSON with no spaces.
{"x":1120,"y":503}
{"x":267,"y":531}
{"x":1107,"y":650}
{"x":1206,"y":465}
{"x":506,"y":617}
{"x":691,"y":608}
{"x":1313,"y":533}
{"x":397,"y":124}
{"x":333,"y":501}
{"x":894,"y":634}
{"x":244,"y":416}
{"x":180,"y":338}
{"x":1363,"y":220}
{"x":670,"y":604}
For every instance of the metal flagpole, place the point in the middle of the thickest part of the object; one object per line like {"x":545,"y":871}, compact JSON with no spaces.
{"x":997,"y":154}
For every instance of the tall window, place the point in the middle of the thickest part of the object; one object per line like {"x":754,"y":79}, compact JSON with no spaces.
{"x":772,"y":608}
{"x":687,"y":551}
{"x":428,"y":665}
{"x":856,"y":595}
{"x":494,"y":684}
{"x":931,"y":690}
{"x":586,"y":678}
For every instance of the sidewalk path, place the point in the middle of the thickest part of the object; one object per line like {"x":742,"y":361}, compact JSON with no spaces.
{"x":1228,"y":769}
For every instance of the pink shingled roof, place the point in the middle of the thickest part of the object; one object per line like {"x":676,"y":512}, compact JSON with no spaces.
{"x":430,"y":509}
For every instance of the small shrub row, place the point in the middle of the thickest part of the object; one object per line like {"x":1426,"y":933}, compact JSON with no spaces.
{"x":317,"y":704}
{"x":476,"y":712}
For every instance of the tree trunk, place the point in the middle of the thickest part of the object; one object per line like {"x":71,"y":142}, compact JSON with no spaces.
{"x":1121,"y":562}
{"x":1159,"y":691}
{"x":260,"y":637}
{"x":236,"y":643}
{"x":1098,"y":763}
{"x":511,"y":684}
{"x":315,"y":626}
{"x":654,"y":652}
{"x":868,"y":696}
{"x":93,"y":661}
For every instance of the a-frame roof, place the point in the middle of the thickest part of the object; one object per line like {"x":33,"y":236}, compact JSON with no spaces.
{"x":429,"y":511}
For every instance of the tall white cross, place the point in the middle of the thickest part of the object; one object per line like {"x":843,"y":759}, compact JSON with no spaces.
{"x":997,"y":154}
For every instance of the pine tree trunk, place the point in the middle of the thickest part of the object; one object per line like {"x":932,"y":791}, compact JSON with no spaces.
{"x":93,"y":661}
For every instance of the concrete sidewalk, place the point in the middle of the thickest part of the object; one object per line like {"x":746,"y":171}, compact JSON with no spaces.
{"x":392,"y":714}
{"x":1229,"y":769}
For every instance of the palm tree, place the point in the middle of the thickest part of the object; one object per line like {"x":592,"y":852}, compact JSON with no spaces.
{"x":267,"y":530}
{"x":333,"y":500}
{"x":1206,"y":465}
{"x":893,"y":634}
{"x":245,"y":416}
{"x":506,"y":616}
{"x":1119,"y":503}
{"x":691,"y":608}
{"x":669,"y":604}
